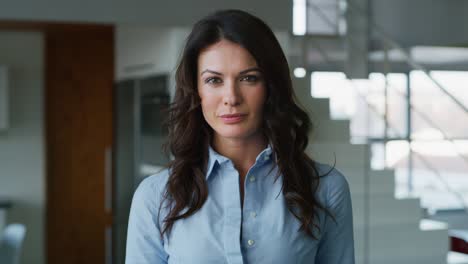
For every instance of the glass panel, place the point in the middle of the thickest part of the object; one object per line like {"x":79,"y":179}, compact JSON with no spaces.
{"x":451,"y":81}
{"x":438,"y":166}
{"x":439,"y":173}
{"x":154,"y":100}
{"x":368,"y":122}
{"x":431,"y":103}
{"x":397,"y":104}
{"x":323,"y":17}
{"x":335,"y":86}
{"x":350,"y":99}
{"x":398,"y":159}
{"x":377,"y":156}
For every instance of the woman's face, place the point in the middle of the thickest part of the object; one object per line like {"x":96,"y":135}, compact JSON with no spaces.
{"x":232,"y":91}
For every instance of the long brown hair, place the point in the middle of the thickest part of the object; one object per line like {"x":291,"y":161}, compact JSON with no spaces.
{"x":286,"y":126}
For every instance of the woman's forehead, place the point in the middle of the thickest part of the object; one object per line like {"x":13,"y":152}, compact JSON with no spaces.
{"x":225,"y":55}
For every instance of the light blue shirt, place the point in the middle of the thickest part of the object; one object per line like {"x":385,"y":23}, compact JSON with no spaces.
{"x":262,"y":231}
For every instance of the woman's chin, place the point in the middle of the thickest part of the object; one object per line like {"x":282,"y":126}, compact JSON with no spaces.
{"x":235,"y":134}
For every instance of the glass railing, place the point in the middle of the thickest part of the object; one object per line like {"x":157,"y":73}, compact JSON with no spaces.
{"x":428,"y":156}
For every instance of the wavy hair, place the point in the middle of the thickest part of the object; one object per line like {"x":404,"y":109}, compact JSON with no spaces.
{"x":286,"y":126}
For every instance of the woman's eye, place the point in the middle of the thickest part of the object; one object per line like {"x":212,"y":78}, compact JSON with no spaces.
{"x":212,"y":80}
{"x":250,"y":78}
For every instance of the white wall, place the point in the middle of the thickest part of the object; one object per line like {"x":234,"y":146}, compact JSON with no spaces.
{"x":22,"y":161}
{"x":147,"y":50}
{"x":156,"y":12}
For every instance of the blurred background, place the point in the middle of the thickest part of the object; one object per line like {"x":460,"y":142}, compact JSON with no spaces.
{"x":82,"y":85}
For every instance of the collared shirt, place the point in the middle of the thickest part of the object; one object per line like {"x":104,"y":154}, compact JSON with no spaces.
{"x":263,"y":230}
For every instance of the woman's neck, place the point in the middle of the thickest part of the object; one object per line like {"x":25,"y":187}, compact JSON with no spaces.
{"x":242,"y":152}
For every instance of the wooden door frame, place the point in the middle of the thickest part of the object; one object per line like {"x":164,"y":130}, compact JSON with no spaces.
{"x":54,"y":29}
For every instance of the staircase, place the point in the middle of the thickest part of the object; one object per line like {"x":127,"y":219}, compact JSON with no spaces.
{"x":386,"y":230}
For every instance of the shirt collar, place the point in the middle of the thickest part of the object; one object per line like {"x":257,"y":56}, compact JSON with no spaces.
{"x":216,"y":158}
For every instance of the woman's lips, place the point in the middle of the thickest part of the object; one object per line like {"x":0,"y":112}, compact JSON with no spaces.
{"x":233,"y":118}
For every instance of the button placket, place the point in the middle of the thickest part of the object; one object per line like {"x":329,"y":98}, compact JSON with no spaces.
{"x":232,"y":213}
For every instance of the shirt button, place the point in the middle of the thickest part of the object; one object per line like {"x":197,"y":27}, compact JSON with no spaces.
{"x":266,"y":158}
{"x":253,"y":214}
{"x":252,"y":178}
{"x":250,"y":242}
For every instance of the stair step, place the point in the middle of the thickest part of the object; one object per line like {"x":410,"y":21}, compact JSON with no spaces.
{"x":386,"y":210}
{"x":429,"y":224}
{"x":359,"y":244}
{"x":393,"y":231}
{"x":347,"y":155}
{"x":331,"y":130}
{"x":380,"y":182}
{"x":457,"y":258}
{"x":407,"y":242}
{"x":401,"y":248}
{"x":403,"y":242}
{"x":318,"y":108}
{"x":421,"y":259}
{"x":302,"y":88}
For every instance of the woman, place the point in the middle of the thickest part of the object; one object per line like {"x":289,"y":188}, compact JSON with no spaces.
{"x":240,"y":188}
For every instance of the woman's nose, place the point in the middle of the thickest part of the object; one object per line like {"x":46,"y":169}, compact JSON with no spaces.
{"x":232,"y":95}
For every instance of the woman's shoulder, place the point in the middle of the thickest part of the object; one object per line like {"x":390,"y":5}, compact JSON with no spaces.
{"x":330,"y":175}
{"x":157,"y":179}
{"x":332,"y":183}
{"x":151,"y":187}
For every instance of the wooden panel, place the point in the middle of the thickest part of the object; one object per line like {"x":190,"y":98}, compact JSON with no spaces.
{"x":42,"y":26}
{"x":79,"y":129}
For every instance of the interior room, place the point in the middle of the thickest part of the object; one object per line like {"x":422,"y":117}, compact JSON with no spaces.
{"x":83,"y":86}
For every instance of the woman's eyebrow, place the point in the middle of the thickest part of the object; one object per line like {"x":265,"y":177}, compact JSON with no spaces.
{"x":249,"y":70}
{"x":240,"y":73}
{"x":210,"y":71}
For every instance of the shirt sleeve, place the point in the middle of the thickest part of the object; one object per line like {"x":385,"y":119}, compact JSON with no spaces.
{"x":144,"y":243}
{"x":337,"y":243}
